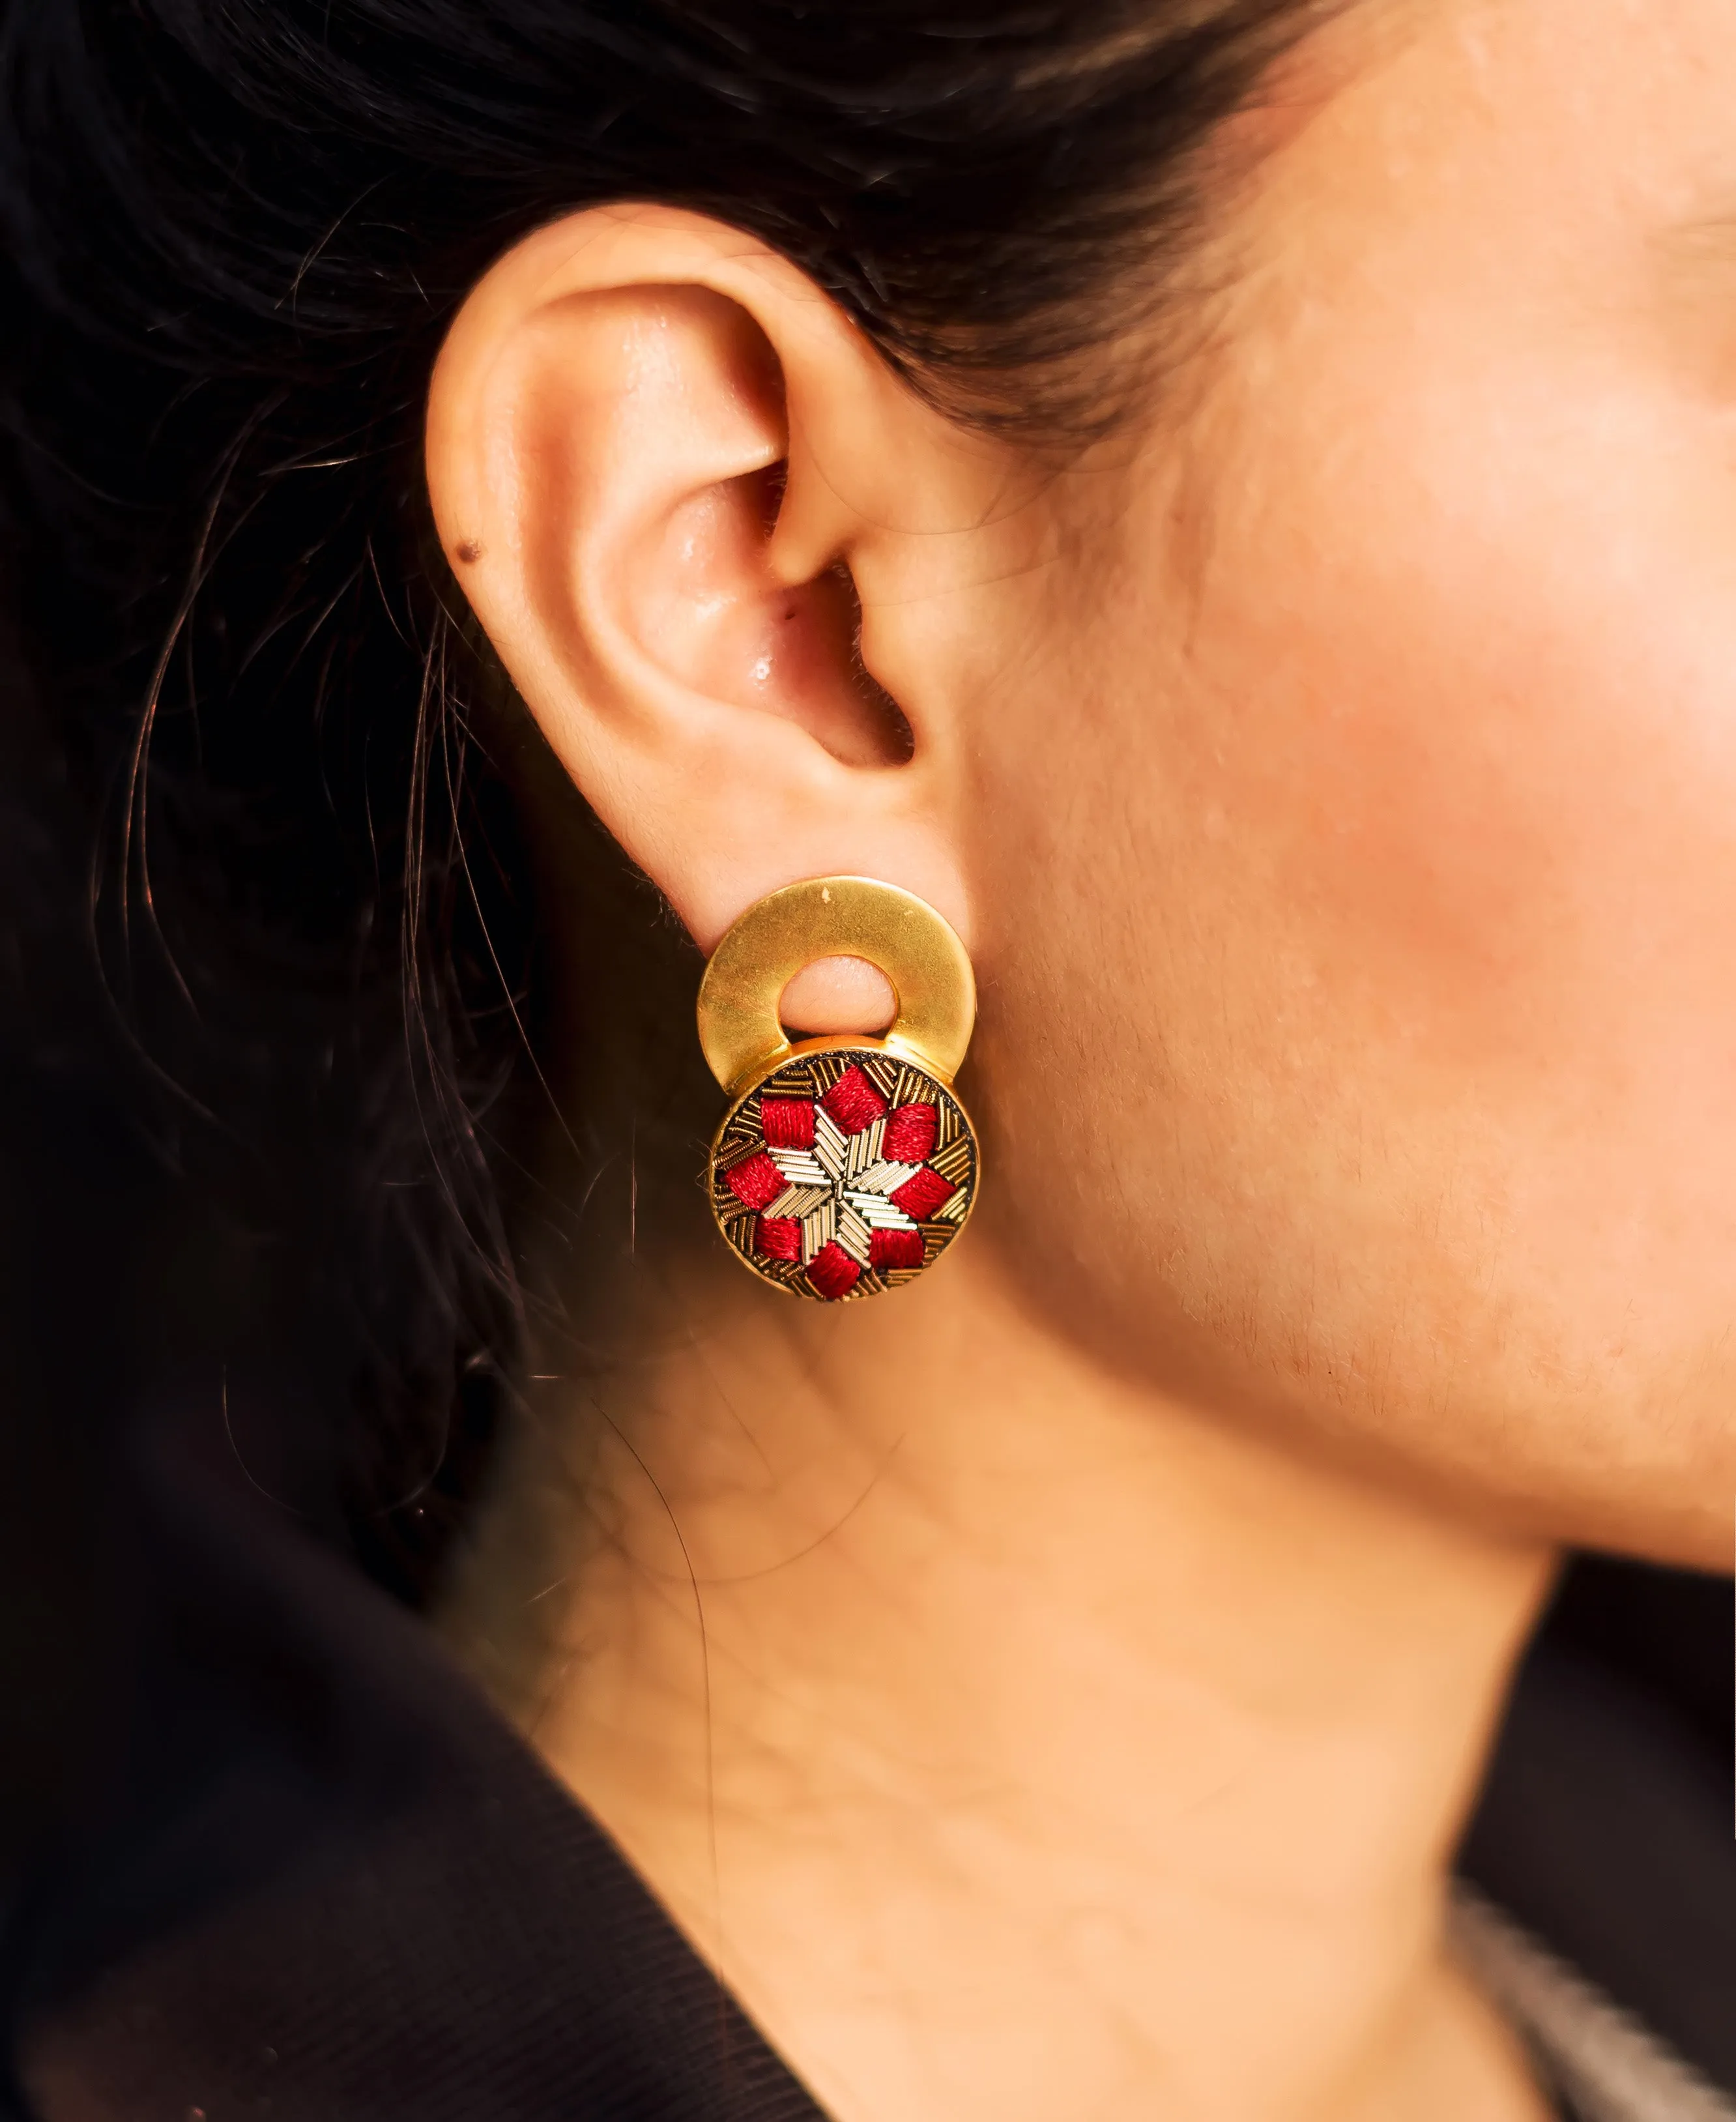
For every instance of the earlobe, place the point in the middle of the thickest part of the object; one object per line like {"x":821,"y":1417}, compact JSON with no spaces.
{"x":665,"y":578}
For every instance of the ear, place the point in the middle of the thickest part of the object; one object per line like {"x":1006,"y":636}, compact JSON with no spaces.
{"x":669,"y":474}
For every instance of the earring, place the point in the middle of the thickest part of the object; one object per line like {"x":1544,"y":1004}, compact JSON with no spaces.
{"x":843,"y":1167}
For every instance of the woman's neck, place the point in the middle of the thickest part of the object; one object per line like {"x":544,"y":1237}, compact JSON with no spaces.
{"x":1018,"y":1743}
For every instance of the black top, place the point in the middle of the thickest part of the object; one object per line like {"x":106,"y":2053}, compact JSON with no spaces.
{"x":315,"y":1877}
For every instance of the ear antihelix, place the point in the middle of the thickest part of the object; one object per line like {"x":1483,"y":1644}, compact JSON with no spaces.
{"x":844,"y":1168}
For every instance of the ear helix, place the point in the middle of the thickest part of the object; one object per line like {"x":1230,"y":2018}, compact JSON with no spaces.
{"x":844,"y":1167}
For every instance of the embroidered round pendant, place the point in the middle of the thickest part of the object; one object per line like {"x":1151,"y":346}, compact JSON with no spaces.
{"x":846,"y":1170}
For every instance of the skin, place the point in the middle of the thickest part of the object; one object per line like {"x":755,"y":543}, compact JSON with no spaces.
{"x":1057,"y":1690}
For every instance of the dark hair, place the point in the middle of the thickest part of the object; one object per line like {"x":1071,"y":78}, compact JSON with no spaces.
{"x":234,"y":234}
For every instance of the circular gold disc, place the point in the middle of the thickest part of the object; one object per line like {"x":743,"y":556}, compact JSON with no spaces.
{"x":846,"y":1170}
{"x":854,"y":916}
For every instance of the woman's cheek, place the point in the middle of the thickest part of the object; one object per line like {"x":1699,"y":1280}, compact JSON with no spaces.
{"x":1476,"y":687}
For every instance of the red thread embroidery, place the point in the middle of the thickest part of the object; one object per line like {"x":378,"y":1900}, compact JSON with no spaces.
{"x":890,"y":1249}
{"x":756,"y":1181}
{"x":839,"y":1186}
{"x":778,"y":1237}
{"x":922,"y":1193}
{"x":788,"y":1124}
{"x":853,"y":1102}
{"x":910,"y":1134}
{"x":833,"y":1272}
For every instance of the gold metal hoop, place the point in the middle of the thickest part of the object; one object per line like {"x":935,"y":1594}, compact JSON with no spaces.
{"x":826,"y":917}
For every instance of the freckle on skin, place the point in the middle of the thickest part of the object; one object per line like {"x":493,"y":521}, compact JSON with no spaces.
{"x":469,"y":550}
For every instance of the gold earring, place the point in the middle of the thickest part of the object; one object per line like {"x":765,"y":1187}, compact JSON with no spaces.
{"x":843,"y":1167}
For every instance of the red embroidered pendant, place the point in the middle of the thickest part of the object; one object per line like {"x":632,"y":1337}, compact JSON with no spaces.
{"x":845,"y":1171}
{"x":843,"y":1167}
